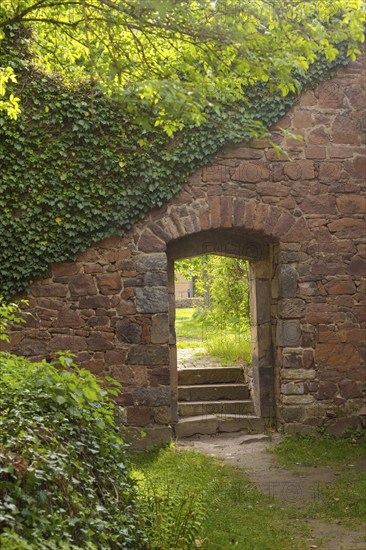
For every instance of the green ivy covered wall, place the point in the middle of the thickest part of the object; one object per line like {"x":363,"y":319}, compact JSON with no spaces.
{"x":77,"y":167}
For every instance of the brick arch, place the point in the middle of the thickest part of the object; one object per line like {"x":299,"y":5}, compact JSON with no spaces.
{"x":110,"y":306}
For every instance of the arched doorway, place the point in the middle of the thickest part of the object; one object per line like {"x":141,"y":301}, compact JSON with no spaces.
{"x":261,"y":255}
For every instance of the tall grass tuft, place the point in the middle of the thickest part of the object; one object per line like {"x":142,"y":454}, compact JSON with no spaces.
{"x":228,"y":348}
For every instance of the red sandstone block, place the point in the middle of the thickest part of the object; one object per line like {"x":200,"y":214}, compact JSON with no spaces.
{"x":298,"y":232}
{"x":319,"y":136}
{"x":285,"y":222}
{"x":330,"y":94}
{"x":214,"y":206}
{"x":344,"y":130}
{"x":82,"y":285}
{"x":65,"y":269}
{"x":249,"y":214}
{"x":331,"y":354}
{"x":261,"y":214}
{"x":319,"y":204}
{"x":315,"y":152}
{"x":49,"y":291}
{"x":351,"y":204}
{"x":226,"y":211}
{"x":149,"y":242}
{"x":109,"y":283}
{"x":347,"y":228}
{"x":357,"y":168}
{"x":330,"y":171}
{"x":302,"y":119}
{"x":239,"y":209}
{"x":307,"y":99}
{"x":205,"y":218}
{"x":300,"y":170}
{"x":140,"y":416}
{"x":337,"y":286}
{"x":340,"y":151}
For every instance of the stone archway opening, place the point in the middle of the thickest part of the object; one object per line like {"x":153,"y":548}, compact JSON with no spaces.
{"x":255,"y":403}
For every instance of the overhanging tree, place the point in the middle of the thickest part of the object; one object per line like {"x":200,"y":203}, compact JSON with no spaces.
{"x":178,"y":57}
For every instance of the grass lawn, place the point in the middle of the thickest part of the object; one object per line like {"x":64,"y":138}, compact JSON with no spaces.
{"x":186,"y":327}
{"x":227,"y":347}
{"x":345,"y":499}
{"x":197,"y":502}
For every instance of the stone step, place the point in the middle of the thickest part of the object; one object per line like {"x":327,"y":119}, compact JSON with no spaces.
{"x":210,"y":375}
{"x":213,"y":424}
{"x":204,"y":408}
{"x":213,"y":392}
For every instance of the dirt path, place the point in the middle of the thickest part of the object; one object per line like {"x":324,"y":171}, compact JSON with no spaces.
{"x":286,"y":487}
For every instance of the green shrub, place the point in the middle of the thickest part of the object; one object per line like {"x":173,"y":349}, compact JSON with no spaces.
{"x":63,"y":469}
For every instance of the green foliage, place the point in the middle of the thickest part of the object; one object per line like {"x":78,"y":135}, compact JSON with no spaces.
{"x":229,"y":348}
{"x":176,"y":512}
{"x":78,"y":165}
{"x":231,"y":512}
{"x":9,"y":315}
{"x":63,"y":466}
{"x":177,"y":57}
{"x":8,"y":103}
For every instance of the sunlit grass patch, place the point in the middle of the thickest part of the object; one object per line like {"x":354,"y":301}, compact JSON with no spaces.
{"x":186,"y":325}
{"x":229,"y":348}
{"x":344,"y":499}
{"x":230,"y":511}
{"x":312,"y":450}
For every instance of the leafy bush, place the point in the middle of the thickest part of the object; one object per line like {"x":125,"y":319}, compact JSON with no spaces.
{"x":63,"y":467}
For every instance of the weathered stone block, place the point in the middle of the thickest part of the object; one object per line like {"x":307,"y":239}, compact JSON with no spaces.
{"x":99,"y":342}
{"x":129,"y":332}
{"x":94,"y":302}
{"x":151,"y":262}
{"x":291,"y":308}
{"x":287,"y":281}
{"x":152,"y":299}
{"x":82,"y":285}
{"x":152,"y":396}
{"x":149,"y":242}
{"x":140,"y":416}
{"x":63,"y":342}
{"x":160,"y":328}
{"x":51,"y":290}
{"x":350,"y":389}
{"x":109,"y":283}
{"x":297,"y":399}
{"x":65,"y":269}
{"x":149,"y":354}
{"x":299,"y":374}
{"x":155,"y":279}
{"x":68,"y":318}
{"x":327,"y":390}
{"x":291,"y":361}
{"x":288,"y":333}
{"x":291,"y":388}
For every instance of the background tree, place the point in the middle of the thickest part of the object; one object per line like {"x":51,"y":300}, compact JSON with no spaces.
{"x":223,"y":283}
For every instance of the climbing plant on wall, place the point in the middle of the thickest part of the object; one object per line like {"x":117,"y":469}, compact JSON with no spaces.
{"x":86,"y":158}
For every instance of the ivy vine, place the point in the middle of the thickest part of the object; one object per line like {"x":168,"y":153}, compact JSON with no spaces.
{"x":77,"y":167}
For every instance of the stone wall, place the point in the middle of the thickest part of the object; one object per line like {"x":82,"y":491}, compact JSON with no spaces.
{"x":111,"y":306}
